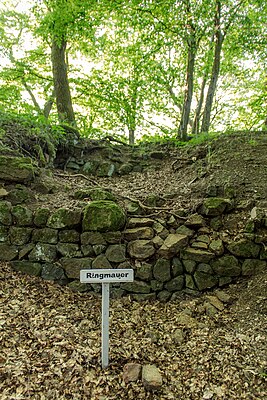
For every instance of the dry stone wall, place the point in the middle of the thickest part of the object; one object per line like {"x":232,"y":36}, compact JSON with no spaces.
{"x":168,"y":255}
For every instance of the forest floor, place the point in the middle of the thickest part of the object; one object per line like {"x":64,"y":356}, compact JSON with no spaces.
{"x":51,"y":344}
{"x":51,"y":336}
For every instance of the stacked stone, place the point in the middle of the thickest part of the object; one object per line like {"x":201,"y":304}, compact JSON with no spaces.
{"x":168,"y":255}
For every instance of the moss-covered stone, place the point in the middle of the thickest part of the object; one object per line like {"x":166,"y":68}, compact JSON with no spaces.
{"x":189,"y":266}
{"x":41,"y":217}
{"x":145,"y":232}
{"x":139,"y":222}
{"x":69,"y":250}
{"x":197,"y":255}
{"x":16,"y":169}
{"x":69,"y":236}
{"x":52,"y":272}
{"x":64,"y":218}
{"x":27,"y":267}
{"x":216,"y":246}
{"x":91,"y":166}
{"x":25,"y":250}
{"x":132,"y":207}
{"x":172,"y":245}
{"x":164,"y":296}
{"x":116,"y":253}
{"x":19,"y":235}
{"x":144,"y":271}
{"x":103,"y":216}
{"x":226,"y":266}
{"x":251,"y":267}
{"x":177,"y":267}
{"x":8,"y":252}
{"x":141,"y":249}
{"x":92,"y":238}
{"x":94,"y":194}
{"x":4,"y":234}
{"x":5,"y":213}
{"x":72,"y":266}
{"x":18,"y":195}
{"x":156,"y":285}
{"x":101,"y":261}
{"x":22,"y":215}
{"x":244,"y":248}
{"x":195,"y":221}
{"x":204,"y":280}
{"x":137,"y":287}
{"x":112,"y":237}
{"x":162,"y":270}
{"x":106,"y":168}
{"x":189,"y":282}
{"x":184,"y":230}
{"x":175,"y":284}
{"x":77,"y":286}
{"x":143,"y":297}
{"x":87,"y":250}
{"x":45,"y":235}
{"x":99,"y":248}
{"x":214,"y":206}
{"x":43,"y":252}
{"x":263,"y":254}
{"x":125,"y":169}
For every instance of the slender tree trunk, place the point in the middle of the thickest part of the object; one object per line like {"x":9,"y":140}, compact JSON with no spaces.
{"x":196,"y":122}
{"x":131,"y":136}
{"x":33,"y":98}
{"x":188,"y":94}
{"x":61,"y":83}
{"x":49,"y":104}
{"x":219,"y":38}
{"x":197,"y":116}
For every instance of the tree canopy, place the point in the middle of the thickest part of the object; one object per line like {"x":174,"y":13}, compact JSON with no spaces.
{"x":133,"y":68}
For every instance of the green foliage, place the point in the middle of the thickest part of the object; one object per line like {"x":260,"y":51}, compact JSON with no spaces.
{"x":128,"y":64}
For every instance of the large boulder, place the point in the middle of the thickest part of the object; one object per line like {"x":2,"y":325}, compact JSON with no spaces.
{"x":103,"y":216}
{"x":16,"y":169}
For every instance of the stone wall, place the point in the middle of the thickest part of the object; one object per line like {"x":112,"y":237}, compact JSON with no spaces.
{"x":169,"y":255}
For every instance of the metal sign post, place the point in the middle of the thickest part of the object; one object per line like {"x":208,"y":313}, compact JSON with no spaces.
{"x":105,"y":325}
{"x":105,"y":277}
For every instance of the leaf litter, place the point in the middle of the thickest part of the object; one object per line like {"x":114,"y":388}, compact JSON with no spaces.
{"x":51,"y":344}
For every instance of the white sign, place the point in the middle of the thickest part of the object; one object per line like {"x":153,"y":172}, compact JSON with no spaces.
{"x":105,"y":276}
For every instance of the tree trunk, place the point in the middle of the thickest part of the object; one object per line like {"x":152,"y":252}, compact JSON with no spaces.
{"x":131,"y":136}
{"x":49,"y":104}
{"x":219,"y":38}
{"x":196,"y":122}
{"x":61,"y":83}
{"x":188,"y":94}
{"x":197,"y":116}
